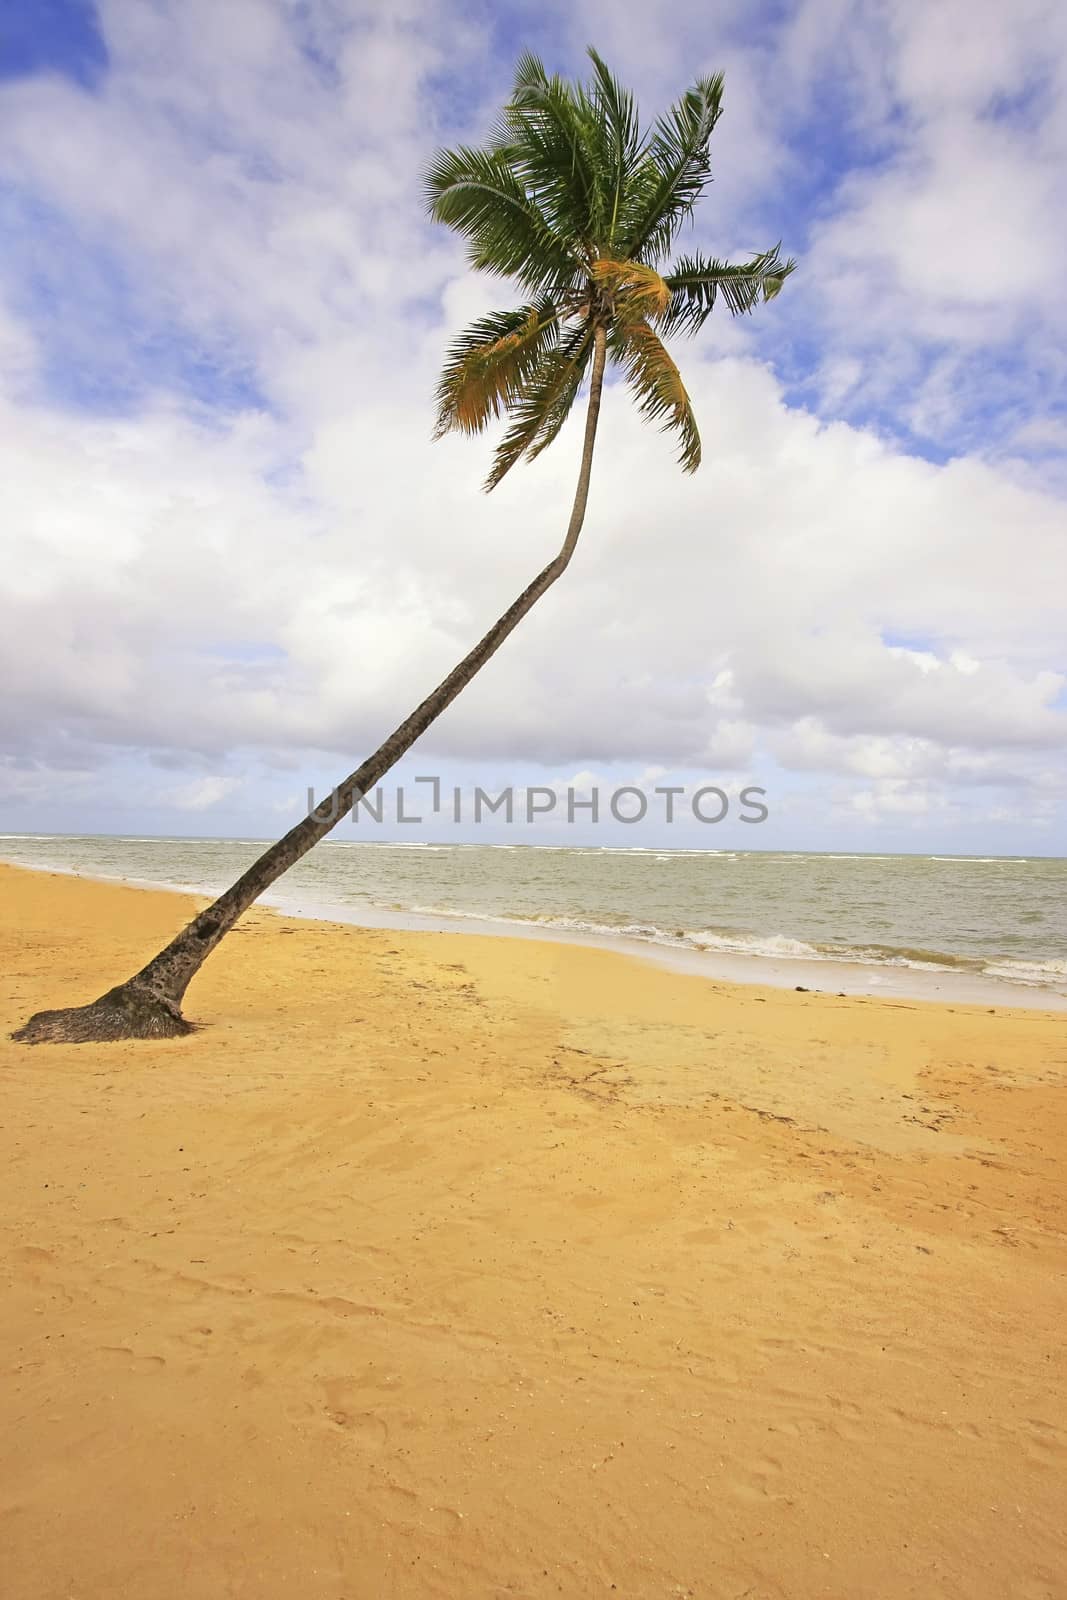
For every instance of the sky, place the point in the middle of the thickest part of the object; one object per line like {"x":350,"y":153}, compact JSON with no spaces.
{"x":233,"y":558}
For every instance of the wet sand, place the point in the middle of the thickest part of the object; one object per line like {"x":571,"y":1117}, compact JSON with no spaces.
{"x":446,"y":1266}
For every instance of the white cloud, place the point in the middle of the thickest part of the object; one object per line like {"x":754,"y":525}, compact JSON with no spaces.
{"x":937,"y":258}
{"x":200,"y":794}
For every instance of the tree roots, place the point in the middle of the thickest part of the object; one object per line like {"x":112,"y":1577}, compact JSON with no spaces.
{"x":126,"y":1012}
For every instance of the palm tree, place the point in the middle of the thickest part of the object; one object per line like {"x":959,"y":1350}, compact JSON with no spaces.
{"x":576,"y":205}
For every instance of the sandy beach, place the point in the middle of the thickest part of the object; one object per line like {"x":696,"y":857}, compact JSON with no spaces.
{"x":443,"y":1266}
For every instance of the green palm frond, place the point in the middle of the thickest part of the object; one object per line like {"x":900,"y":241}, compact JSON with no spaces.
{"x":658,"y":386}
{"x":479,"y":195}
{"x":571,"y":364}
{"x":530,"y":74}
{"x":548,"y":135}
{"x":617,"y":123}
{"x":488,"y":364}
{"x":697,"y":282}
{"x":545,"y":404}
{"x":678,"y":170}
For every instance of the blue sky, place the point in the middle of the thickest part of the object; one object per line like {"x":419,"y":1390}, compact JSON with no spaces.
{"x":236,"y":559}
{"x":62,"y":36}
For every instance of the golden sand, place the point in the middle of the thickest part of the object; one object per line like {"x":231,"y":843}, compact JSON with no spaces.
{"x":445,"y":1266}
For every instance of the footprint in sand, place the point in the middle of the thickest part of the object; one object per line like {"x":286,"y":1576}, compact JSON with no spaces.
{"x":33,"y":1259}
{"x":760,"y":1480}
{"x":410,"y":1510}
{"x":33,"y":1252}
{"x":1044,"y":1443}
{"x":346,"y":1410}
{"x":362,"y":1425}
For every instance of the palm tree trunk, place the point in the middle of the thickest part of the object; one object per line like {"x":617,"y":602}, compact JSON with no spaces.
{"x":148,"y":1005}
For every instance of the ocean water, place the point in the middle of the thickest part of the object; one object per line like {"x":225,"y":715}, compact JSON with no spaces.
{"x":996,"y":918}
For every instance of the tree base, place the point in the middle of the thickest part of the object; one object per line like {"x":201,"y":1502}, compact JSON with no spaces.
{"x":126,"y":1012}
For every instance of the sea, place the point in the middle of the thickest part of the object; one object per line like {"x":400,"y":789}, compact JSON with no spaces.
{"x":964,"y":927}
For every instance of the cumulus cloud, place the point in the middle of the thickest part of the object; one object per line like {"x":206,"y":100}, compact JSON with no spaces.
{"x":937,"y":256}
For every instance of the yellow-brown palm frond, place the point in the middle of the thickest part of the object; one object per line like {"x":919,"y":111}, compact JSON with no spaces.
{"x":489,"y":363}
{"x":638,"y":291}
{"x":657,"y":383}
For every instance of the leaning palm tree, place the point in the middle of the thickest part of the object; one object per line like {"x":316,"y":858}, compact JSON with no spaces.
{"x":577,"y":206}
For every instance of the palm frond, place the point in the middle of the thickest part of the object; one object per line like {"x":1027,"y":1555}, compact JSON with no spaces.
{"x":477,"y":193}
{"x":548,"y":137}
{"x":620,"y":135}
{"x":638,"y":291}
{"x":697,"y":282}
{"x":658,"y":385}
{"x":571,"y":360}
{"x":530,"y":74}
{"x":667,"y":186}
{"x":489,"y":363}
{"x":545,"y":402}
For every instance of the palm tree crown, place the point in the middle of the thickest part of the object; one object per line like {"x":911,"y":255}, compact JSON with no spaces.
{"x":580,"y":207}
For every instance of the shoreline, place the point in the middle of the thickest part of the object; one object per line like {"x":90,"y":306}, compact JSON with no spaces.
{"x":823,"y":975}
{"x":509,"y":1266}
